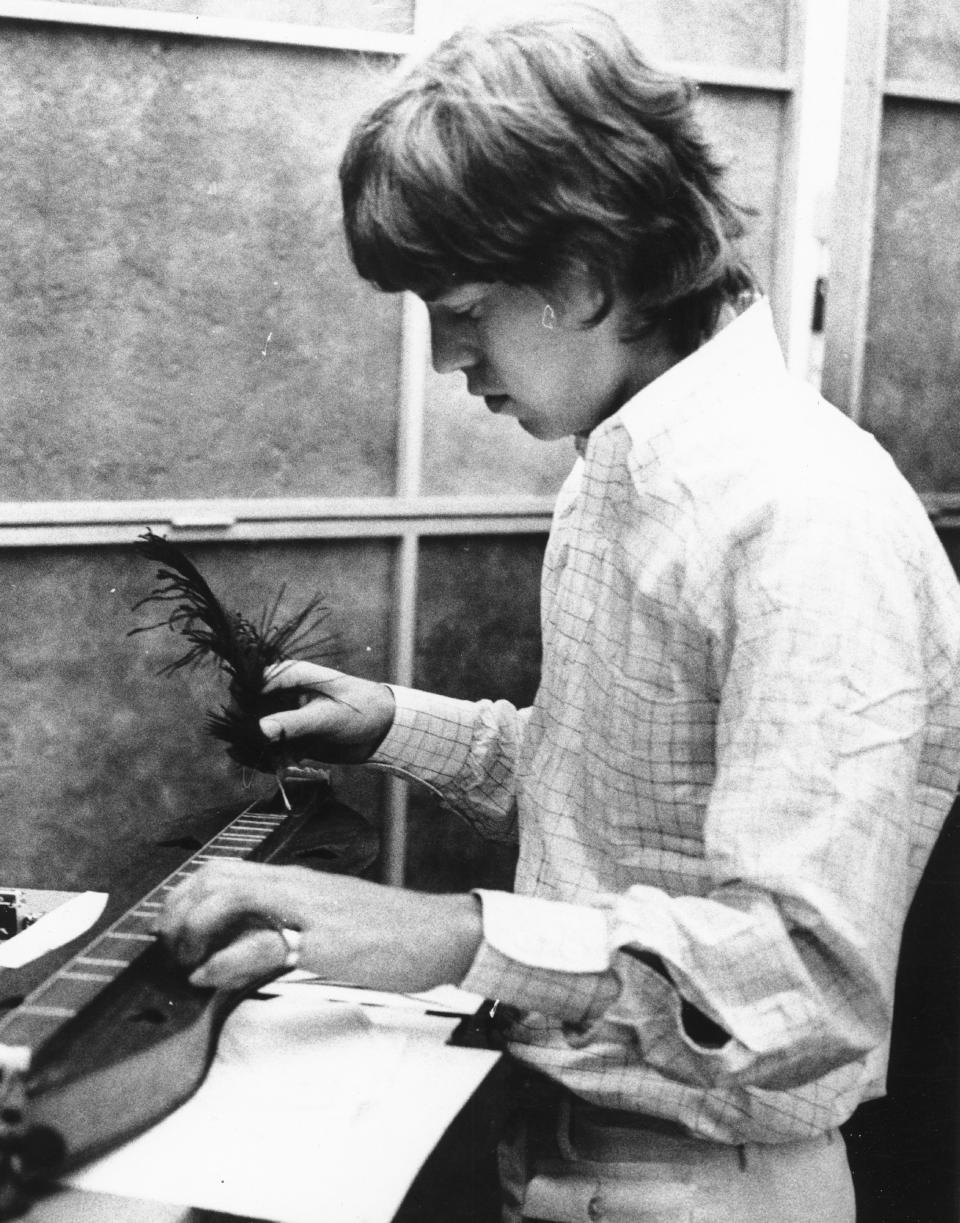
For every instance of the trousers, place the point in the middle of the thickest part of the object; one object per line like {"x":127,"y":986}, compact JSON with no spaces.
{"x":587,"y":1165}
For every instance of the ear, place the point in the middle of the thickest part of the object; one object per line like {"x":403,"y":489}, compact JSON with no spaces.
{"x":582,"y":296}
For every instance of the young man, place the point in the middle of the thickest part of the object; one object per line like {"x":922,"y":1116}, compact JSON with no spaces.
{"x":746,"y":734}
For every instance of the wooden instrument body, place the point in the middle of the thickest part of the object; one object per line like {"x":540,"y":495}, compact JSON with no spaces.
{"x":116,"y":1037}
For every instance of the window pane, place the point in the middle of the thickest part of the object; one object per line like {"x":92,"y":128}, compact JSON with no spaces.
{"x":100,"y":755}
{"x":746,"y":129}
{"x":178,"y":313}
{"x":395,"y":16}
{"x":911,"y":381}
{"x":741,"y":33}
{"x":924,"y":41}
{"x":467,"y":450}
{"x":478,"y":637}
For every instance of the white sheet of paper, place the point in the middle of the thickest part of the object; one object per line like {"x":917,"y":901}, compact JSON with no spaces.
{"x":312,"y":1110}
{"x":446,"y":998}
{"x":54,"y":929}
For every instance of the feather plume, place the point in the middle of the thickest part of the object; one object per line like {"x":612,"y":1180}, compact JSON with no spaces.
{"x":241,"y":648}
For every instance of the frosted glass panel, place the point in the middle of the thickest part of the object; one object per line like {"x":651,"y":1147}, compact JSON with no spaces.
{"x":99,"y":755}
{"x":468,"y":450}
{"x":911,"y":382}
{"x":392,"y":15}
{"x":924,"y":41}
{"x":746,"y":129}
{"x":744,"y":33}
{"x":178,"y":313}
{"x":478,"y":636}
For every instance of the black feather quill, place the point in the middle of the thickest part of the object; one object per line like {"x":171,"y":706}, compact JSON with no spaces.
{"x":241,"y":648}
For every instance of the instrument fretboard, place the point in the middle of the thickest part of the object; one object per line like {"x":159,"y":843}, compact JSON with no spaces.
{"x":67,"y":992}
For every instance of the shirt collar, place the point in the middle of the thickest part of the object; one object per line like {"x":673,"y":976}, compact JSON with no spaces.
{"x":735,"y":362}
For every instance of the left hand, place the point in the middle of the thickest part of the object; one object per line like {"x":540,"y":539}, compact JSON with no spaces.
{"x":223,"y":924}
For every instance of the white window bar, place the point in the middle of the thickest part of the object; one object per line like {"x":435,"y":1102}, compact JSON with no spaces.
{"x":414,"y":349}
{"x":98,"y":523}
{"x":810,"y":156}
{"x":855,"y":205}
{"x":947,"y":92}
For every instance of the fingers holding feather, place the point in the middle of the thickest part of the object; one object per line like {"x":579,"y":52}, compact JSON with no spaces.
{"x":314,"y":720}
{"x":340,"y":718}
{"x":296,"y":673}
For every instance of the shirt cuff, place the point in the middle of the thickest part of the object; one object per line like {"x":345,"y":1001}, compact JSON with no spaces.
{"x":543,"y":955}
{"x":430,"y":736}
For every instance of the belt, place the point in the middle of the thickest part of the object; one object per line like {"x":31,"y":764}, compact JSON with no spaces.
{"x":556,"y":1116}
{"x":564,"y":1124}
{"x":606,"y":1135}
{"x":595,"y":1117}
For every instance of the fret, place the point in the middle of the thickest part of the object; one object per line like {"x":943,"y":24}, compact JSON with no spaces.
{"x":79,"y":982}
{"x":142,"y":925}
{"x":121,"y":948}
{"x":31,"y":1025}
{"x":64,"y":991}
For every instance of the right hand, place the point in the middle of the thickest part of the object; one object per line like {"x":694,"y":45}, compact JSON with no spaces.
{"x":340,"y":720}
{"x":223,"y":923}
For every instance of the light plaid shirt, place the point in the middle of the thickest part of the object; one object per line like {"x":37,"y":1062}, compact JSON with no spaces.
{"x":746,"y":738}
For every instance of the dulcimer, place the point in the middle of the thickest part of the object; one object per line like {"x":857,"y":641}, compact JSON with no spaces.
{"x":116,"y":1038}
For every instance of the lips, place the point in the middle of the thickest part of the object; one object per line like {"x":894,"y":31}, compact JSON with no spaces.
{"x":496,"y":403}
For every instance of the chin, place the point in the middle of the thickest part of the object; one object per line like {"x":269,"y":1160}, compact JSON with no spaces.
{"x":543,"y":431}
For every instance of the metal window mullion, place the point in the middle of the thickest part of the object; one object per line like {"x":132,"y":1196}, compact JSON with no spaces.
{"x":414,"y":348}
{"x":851,"y":242}
{"x":413,"y":366}
{"x":813,"y":28}
{"x":403,"y":651}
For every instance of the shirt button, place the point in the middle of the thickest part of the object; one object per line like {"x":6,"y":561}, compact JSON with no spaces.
{"x":595,"y":1208}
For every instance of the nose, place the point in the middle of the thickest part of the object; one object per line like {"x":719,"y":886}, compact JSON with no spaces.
{"x":451,"y":347}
